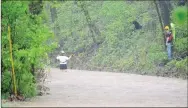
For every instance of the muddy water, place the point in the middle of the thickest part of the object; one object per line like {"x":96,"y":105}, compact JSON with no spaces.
{"x":77,"y":88}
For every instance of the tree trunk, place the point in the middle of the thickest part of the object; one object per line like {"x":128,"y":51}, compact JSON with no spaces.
{"x":160,"y":20}
{"x":56,"y":28}
{"x":88,"y":19}
{"x":33,"y":69}
{"x":35,"y":7}
{"x":165,"y":11}
{"x":92,"y":27}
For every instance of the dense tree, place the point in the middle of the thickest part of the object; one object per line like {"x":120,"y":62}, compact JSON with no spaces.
{"x":111,"y":24}
{"x":101,"y":34}
{"x":29,"y":36}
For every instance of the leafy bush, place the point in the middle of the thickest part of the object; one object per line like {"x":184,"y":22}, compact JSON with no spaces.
{"x":123,"y":48}
{"x":30,"y":45}
{"x":179,"y":15}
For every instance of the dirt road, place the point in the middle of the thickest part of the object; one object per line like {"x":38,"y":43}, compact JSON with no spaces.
{"x":78,"y":88}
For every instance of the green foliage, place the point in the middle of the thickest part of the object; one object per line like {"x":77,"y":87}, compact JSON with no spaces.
{"x":179,"y":15}
{"x":180,"y":45}
{"x":26,"y":85}
{"x":30,"y":44}
{"x":122,"y":48}
{"x":180,"y":67}
{"x":6,"y":78}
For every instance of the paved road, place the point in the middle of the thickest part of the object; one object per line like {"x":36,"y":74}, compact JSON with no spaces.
{"x":77,"y":88}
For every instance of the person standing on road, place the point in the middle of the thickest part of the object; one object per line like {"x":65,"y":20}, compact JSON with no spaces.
{"x":63,"y":60}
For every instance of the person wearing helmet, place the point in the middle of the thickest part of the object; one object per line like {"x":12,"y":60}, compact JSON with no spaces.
{"x":169,"y":38}
{"x":63,"y":60}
